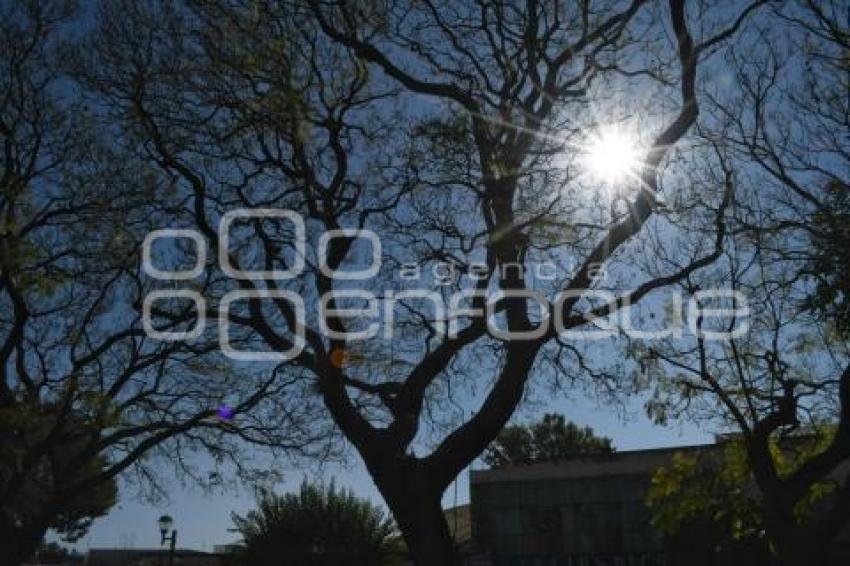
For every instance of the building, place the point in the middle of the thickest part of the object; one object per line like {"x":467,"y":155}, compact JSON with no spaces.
{"x":586,"y":511}
{"x":590,"y":511}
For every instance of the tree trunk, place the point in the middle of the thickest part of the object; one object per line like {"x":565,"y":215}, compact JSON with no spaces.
{"x":426,"y":532}
{"x":417,"y":507}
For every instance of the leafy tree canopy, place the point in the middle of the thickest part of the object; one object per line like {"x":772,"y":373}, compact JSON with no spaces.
{"x":39,"y":453}
{"x":52,"y":553}
{"x":830,"y":261}
{"x":553,"y":438}
{"x":714,"y":488}
{"x":320,"y":524}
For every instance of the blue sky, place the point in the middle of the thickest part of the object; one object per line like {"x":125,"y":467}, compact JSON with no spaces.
{"x":203,"y":521}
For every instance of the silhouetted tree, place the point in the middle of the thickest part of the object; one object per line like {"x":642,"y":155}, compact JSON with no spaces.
{"x":829,"y":264}
{"x":456,"y":131}
{"x":51,"y":553}
{"x":317,"y":526}
{"x":780,"y":132}
{"x":84,"y":394}
{"x":50,"y":469}
{"x":548,"y":440}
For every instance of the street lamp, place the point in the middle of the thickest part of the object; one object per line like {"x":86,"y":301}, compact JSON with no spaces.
{"x":165,"y":523}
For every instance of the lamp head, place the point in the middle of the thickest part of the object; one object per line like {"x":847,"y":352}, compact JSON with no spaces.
{"x":165,"y":523}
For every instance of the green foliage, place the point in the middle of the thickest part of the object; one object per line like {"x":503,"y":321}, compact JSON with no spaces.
{"x":706,"y":487}
{"x":40,"y":459}
{"x":830,"y":262}
{"x":550,"y":439}
{"x":715,"y":487}
{"x":316,"y":526}
{"x":51,"y":553}
{"x":514,"y":445}
{"x":790,"y":457}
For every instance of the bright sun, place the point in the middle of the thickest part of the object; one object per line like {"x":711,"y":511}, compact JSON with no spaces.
{"x":612,"y":155}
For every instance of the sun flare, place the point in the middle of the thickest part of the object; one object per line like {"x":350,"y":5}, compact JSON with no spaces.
{"x":612,"y":155}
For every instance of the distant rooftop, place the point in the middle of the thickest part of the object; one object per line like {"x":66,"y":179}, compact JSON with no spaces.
{"x":626,"y":462}
{"x":148,"y":556}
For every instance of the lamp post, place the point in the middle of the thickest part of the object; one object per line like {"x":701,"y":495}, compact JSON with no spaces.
{"x":165,"y":522}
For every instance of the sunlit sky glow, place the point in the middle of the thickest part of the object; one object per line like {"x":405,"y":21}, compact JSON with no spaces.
{"x":612,"y":156}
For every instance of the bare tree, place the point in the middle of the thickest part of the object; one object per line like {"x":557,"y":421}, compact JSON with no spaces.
{"x":780,"y":127}
{"x":454,"y":131}
{"x":84,"y":394}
